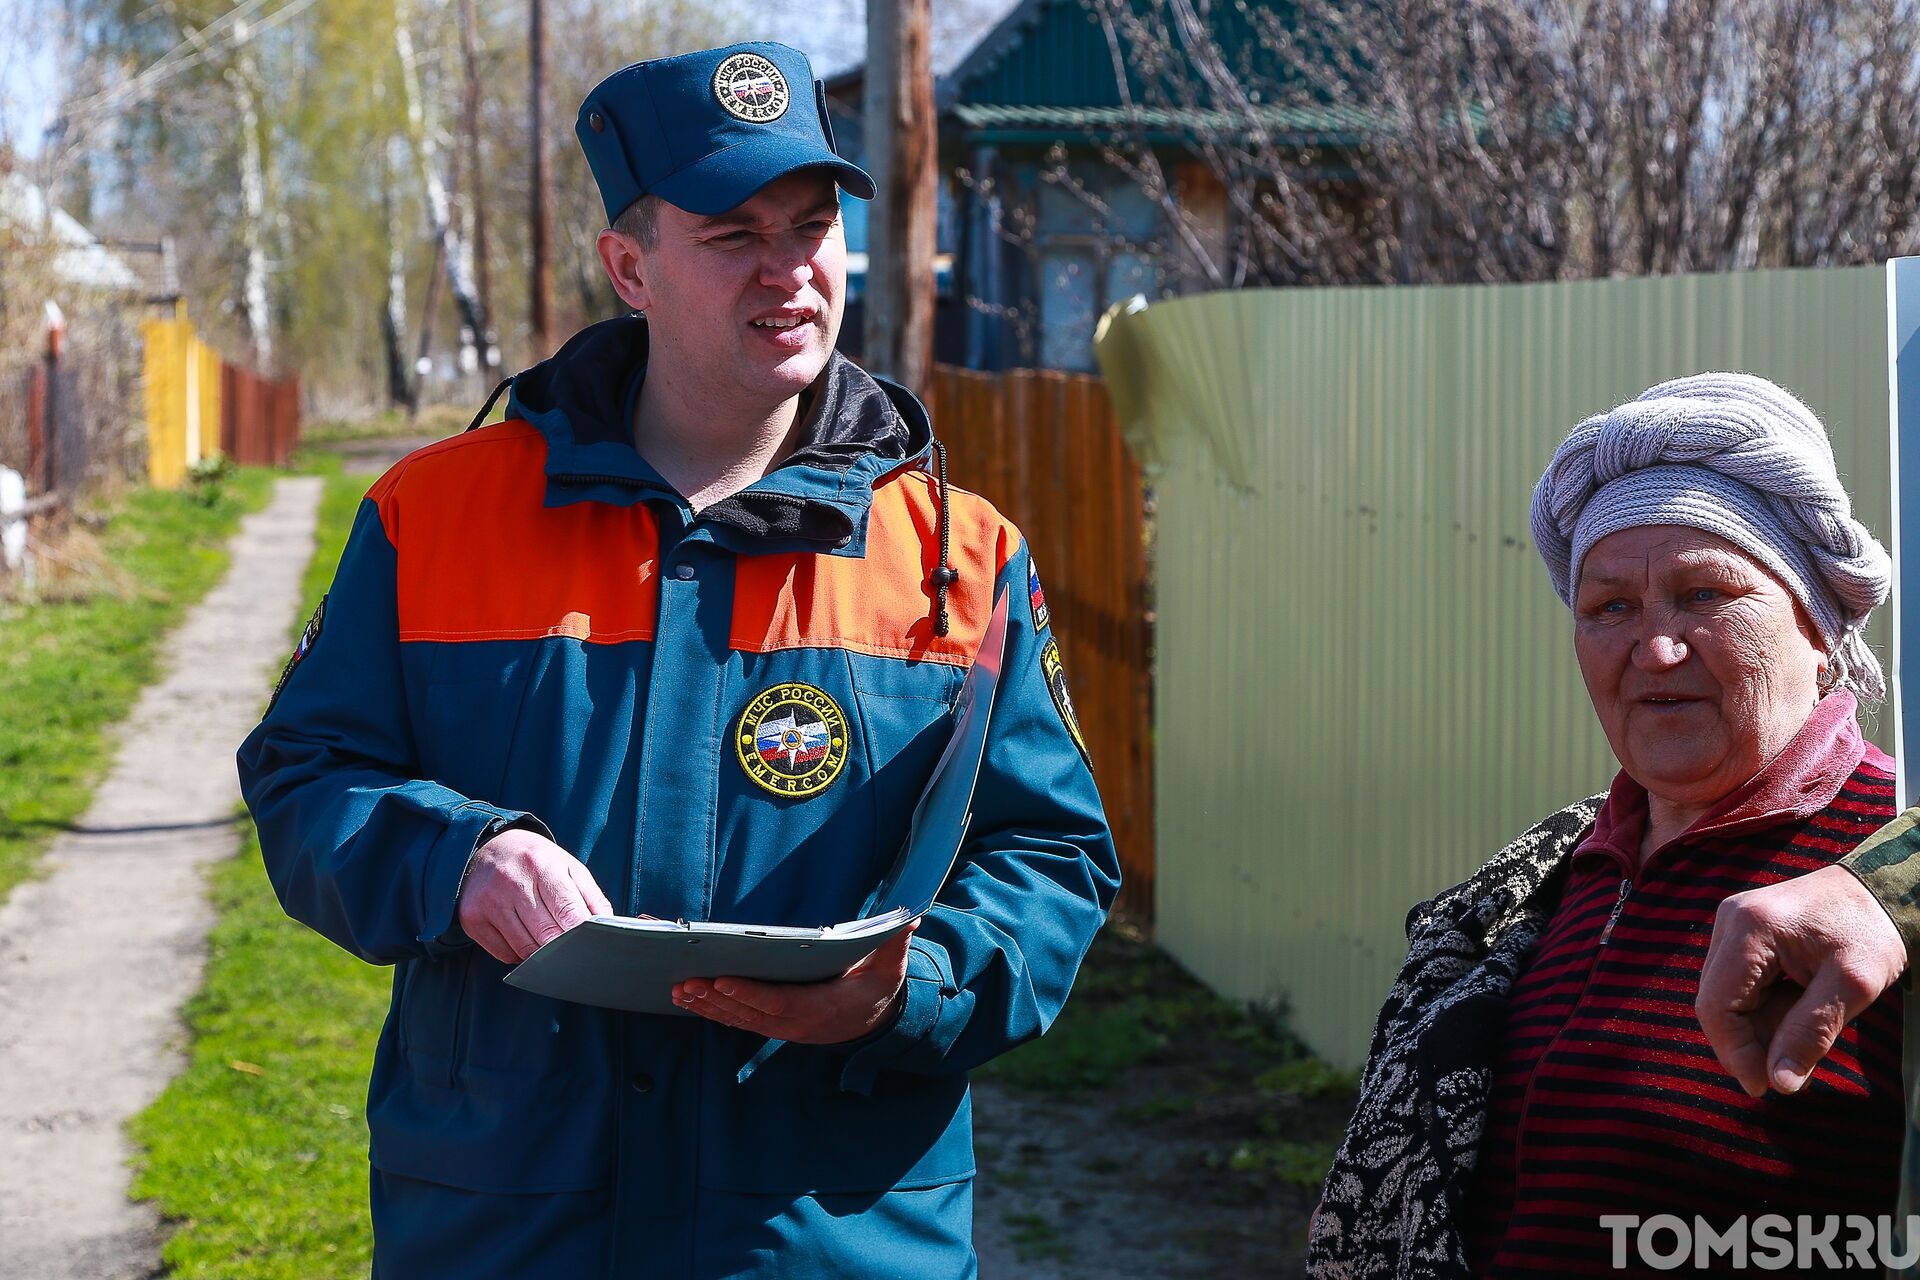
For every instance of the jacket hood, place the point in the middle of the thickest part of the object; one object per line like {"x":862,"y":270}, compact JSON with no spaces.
{"x":855,"y":430}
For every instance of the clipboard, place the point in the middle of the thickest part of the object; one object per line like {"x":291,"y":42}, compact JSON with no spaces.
{"x":621,"y":962}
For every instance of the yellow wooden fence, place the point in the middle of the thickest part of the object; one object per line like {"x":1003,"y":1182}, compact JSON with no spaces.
{"x":183,"y":399}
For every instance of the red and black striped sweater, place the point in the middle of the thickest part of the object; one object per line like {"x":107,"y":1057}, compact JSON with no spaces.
{"x":1606,"y":1097}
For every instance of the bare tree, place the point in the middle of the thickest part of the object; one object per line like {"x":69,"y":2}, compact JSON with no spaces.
{"x":243,"y":76}
{"x":473,"y":202}
{"x":1484,"y":140}
{"x":393,"y":315}
{"x":453,"y":248}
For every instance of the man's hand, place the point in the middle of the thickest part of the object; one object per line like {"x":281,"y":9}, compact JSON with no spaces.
{"x":832,"y":1012}
{"x":523,"y":891}
{"x":1831,"y":941}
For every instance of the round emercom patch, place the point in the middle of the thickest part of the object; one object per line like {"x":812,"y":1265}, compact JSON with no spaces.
{"x":751,"y":88}
{"x":792,"y":740}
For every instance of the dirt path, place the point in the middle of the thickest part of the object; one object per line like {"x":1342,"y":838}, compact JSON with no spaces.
{"x":1156,"y":1133}
{"x":96,"y":959}
{"x":374,"y":454}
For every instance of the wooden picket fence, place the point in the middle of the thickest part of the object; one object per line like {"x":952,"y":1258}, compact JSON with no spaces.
{"x":1045,"y":448}
{"x":198,"y":404}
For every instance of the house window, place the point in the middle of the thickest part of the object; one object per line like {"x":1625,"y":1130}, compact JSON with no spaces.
{"x":1088,"y":259}
{"x":1128,"y":274}
{"x":1069,"y":306}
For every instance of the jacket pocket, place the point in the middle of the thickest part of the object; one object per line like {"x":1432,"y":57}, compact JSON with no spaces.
{"x":789,"y":1128}
{"x":471,"y":710}
{"x":483,"y":1100}
{"x":504,"y":1135}
{"x":432,"y":996}
{"x":906,"y":711}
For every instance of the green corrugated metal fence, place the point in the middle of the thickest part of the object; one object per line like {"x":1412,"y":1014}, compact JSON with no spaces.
{"x":1365,"y":684}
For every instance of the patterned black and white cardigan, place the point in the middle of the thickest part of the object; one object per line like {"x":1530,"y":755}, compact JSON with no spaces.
{"x":1392,"y":1200}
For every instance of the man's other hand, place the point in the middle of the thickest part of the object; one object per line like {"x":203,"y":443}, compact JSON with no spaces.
{"x":1789,"y":966}
{"x":832,"y":1012}
{"x":522,"y":891}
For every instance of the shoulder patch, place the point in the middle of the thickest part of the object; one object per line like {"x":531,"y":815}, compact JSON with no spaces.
{"x":1037,"y":598}
{"x":1055,"y":672}
{"x":300,"y":651}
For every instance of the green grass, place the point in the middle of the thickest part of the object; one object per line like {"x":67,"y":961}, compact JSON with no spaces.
{"x":338,"y":503}
{"x":1084,"y":1050}
{"x":1232,"y":1091}
{"x":1309,"y":1078}
{"x":257,"y":1151}
{"x":1264,"y":1162}
{"x":1034,"y":1236}
{"x":433,"y":422}
{"x":70,"y":669}
{"x":1131,"y":1005}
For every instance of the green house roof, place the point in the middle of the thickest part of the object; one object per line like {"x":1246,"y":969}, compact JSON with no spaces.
{"x":1299,"y":125}
{"x":1055,"y":53}
{"x":1048,"y":69}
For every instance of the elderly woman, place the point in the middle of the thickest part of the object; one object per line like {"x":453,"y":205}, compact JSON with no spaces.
{"x":1538,"y":1065}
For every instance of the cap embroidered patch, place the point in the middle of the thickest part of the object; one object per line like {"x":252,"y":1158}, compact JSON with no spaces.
{"x":792,"y":740}
{"x":1037,"y":598}
{"x":302,"y":649}
{"x":1055,"y":672}
{"x":751,"y":88}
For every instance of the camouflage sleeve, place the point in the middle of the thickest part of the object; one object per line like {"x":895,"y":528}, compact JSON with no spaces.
{"x":1909,"y":1202}
{"x":1888,"y":863}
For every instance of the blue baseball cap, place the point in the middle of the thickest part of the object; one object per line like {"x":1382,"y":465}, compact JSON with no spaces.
{"x":704,"y":131}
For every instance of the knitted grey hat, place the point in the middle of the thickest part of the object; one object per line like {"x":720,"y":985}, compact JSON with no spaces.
{"x":1736,"y":456}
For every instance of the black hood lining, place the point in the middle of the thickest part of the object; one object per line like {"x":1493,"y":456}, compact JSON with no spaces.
{"x":848,"y":418}
{"x":594,"y":380}
{"x":851,"y":418}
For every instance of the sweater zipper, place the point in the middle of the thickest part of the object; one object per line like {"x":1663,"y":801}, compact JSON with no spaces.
{"x":1626,"y":887}
{"x":1526,"y":1095}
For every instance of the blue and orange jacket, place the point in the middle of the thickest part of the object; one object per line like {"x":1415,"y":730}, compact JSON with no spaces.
{"x":528,"y":626}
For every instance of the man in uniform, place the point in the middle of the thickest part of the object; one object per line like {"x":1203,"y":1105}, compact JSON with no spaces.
{"x":681,"y":637}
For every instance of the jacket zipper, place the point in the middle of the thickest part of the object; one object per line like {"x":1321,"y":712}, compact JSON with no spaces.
{"x":627,"y":482}
{"x":1626,"y":887}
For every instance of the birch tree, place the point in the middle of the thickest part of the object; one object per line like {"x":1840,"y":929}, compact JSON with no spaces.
{"x":244,"y":79}
{"x":455,"y":249}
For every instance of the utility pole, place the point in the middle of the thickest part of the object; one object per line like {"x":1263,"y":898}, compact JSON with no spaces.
{"x":542,"y":280}
{"x":901,"y":154}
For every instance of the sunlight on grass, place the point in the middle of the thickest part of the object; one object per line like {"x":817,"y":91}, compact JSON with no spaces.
{"x":257,"y":1152}
{"x":72,"y":669}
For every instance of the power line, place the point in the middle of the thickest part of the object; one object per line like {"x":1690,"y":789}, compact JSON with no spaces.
{"x":177,"y":59}
{"x":230,"y":27}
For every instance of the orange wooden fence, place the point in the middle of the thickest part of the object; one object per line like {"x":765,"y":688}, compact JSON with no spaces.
{"x":1045,"y":448}
{"x":198,"y":404}
{"x":259,"y":417}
